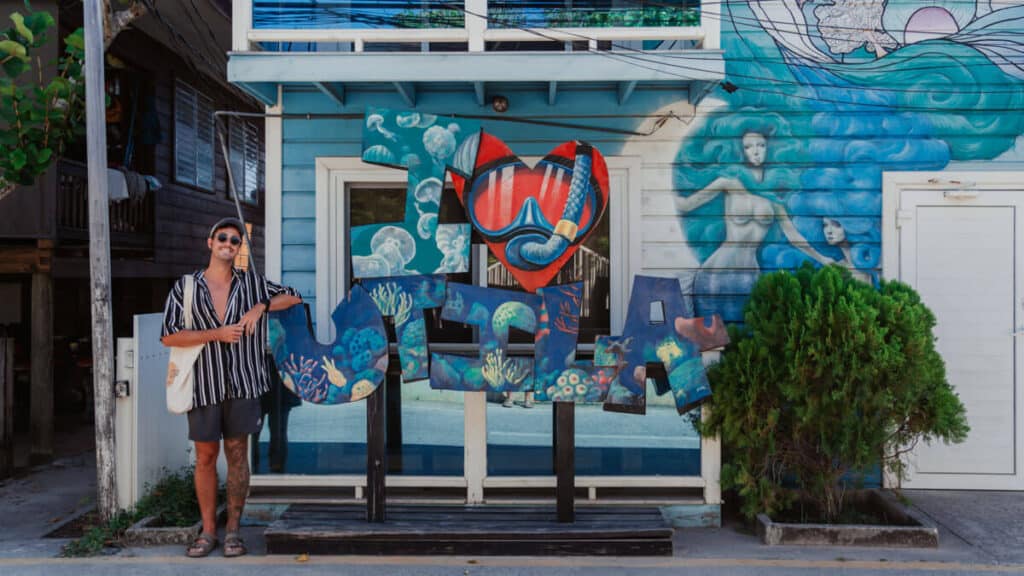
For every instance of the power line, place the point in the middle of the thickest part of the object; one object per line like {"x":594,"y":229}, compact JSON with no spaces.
{"x":620,"y":56}
{"x":377,"y":17}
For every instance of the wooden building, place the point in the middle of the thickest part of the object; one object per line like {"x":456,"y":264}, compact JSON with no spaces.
{"x":165,"y":78}
{"x":741,"y":137}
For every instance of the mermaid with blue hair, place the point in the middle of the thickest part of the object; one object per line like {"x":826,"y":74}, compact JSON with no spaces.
{"x":751,"y":206}
{"x":836,"y":233}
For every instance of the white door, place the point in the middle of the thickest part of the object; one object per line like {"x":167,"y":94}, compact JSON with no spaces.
{"x":962,"y":251}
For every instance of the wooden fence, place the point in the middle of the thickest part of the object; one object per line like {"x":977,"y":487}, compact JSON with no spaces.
{"x":585,"y":266}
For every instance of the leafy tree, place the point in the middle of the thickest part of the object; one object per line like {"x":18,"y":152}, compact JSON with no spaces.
{"x":828,"y":376}
{"x":40,"y":118}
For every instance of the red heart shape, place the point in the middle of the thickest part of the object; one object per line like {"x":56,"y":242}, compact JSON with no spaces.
{"x":534,"y":219}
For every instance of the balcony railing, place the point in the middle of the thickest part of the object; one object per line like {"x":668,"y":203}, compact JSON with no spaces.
{"x":132,"y":221}
{"x":460,"y":25}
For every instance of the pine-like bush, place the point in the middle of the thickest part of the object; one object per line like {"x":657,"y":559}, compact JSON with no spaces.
{"x":828,"y":375}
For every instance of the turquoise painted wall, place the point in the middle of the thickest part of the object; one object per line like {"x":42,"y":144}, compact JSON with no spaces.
{"x":305,"y":140}
{"x":785,"y":169}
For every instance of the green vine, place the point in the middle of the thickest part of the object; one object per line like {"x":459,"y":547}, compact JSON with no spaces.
{"x":632,"y":18}
{"x":39,"y":117}
{"x":653,"y":16}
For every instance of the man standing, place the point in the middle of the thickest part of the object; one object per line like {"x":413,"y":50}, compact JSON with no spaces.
{"x":230,"y":375}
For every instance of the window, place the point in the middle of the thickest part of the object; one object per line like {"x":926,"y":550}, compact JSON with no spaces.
{"x":245,"y":147}
{"x":193,"y":137}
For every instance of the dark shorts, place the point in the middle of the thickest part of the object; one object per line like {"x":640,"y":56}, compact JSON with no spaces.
{"x":230,"y":419}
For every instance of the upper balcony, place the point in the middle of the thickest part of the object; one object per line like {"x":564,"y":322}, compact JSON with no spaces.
{"x":338,"y":43}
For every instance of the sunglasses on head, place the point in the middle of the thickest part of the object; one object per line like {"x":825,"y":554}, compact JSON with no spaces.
{"x":223,"y":237}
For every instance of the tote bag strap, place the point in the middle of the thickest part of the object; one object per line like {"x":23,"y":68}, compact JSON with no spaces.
{"x":190,"y":292}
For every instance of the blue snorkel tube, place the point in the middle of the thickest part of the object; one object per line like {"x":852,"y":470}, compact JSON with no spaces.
{"x":536,"y":251}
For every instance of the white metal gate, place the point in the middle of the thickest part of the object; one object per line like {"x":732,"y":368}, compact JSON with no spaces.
{"x":149,"y":439}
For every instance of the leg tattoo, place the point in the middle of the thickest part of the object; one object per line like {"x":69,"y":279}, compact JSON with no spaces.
{"x":238,"y":479}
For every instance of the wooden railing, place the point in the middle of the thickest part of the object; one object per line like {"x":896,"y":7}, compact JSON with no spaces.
{"x":132,"y":221}
{"x":585,"y":266}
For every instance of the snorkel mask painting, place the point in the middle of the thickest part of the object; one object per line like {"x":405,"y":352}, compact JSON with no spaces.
{"x":534,"y":219}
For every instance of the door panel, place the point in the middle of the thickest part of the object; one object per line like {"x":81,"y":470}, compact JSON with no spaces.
{"x":963,"y":257}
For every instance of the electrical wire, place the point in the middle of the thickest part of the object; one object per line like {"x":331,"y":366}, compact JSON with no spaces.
{"x":619,"y":56}
{"x":210,"y":40}
{"x":644,"y":56}
{"x":658,"y":124}
{"x":375,"y":16}
{"x":213,"y":69}
{"x":626,"y":48}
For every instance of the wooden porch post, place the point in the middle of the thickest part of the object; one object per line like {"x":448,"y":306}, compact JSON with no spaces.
{"x":6,"y":406}
{"x":565,"y":460}
{"x":376,"y":455}
{"x":41,"y":394}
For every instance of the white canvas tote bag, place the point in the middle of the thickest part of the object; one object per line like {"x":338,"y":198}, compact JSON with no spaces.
{"x":179,"y":369}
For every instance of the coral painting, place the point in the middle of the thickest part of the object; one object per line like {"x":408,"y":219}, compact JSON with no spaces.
{"x":651,"y":335}
{"x":557,"y":334}
{"x":348,"y":370}
{"x":403,"y":299}
{"x":495,"y":312}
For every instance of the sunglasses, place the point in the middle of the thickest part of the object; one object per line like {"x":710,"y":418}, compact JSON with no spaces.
{"x":235,"y":240}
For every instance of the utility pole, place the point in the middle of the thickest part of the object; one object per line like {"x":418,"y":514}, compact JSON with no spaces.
{"x":99,"y":260}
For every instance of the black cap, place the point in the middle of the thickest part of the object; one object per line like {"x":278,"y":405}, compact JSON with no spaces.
{"x":228,"y":222}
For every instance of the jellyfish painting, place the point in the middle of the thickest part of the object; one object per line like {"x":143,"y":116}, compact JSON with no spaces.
{"x":391,"y":249}
{"x":428,"y":150}
{"x":439,"y":143}
{"x":453,"y":242}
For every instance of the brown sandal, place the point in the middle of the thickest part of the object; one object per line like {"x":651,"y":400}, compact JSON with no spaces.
{"x":201,"y":546}
{"x":234,"y":546}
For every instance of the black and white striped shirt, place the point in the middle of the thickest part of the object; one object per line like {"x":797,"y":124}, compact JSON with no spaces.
{"x":225,"y":370}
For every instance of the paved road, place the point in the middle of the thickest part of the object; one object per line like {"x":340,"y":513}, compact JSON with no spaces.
{"x":363,"y":566}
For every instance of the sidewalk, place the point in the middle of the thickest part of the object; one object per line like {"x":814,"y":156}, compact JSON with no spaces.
{"x":979,"y":532}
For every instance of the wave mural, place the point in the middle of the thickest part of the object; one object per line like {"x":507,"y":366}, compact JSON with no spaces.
{"x":830,"y":96}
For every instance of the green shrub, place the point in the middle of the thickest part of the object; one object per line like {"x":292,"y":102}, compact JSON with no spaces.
{"x":827,"y":376}
{"x":172,"y":500}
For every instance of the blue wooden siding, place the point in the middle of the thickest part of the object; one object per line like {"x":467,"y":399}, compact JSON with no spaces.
{"x":830,"y":125}
{"x":305,"y":140}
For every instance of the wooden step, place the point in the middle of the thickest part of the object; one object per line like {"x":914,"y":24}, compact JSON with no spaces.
{"x":469,"y":530}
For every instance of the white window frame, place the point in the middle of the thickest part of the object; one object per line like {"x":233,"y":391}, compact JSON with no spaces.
{"x":201,"y":105}
{"x":336,"y":175}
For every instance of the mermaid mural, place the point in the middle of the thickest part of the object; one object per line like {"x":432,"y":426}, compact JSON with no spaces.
{"x":788,"y":168}
{"x":751,"y":204}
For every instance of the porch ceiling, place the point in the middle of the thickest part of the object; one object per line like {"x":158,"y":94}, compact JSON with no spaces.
{"x":259,"y":73}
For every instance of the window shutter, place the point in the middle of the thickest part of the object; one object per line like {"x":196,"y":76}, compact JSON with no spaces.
{"x":184,"y":133}
{"x":204,"y":142}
